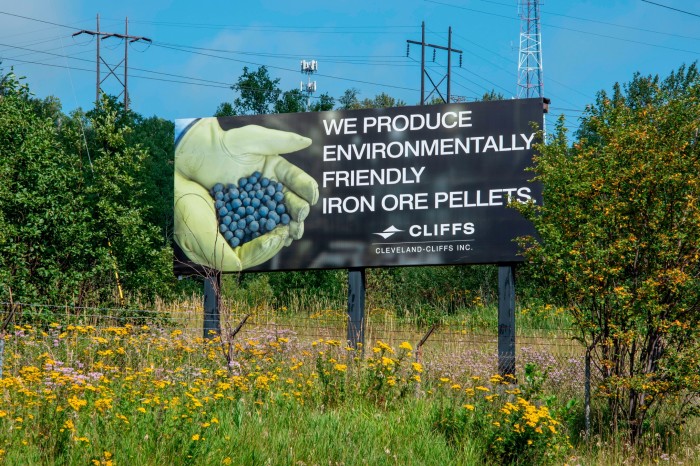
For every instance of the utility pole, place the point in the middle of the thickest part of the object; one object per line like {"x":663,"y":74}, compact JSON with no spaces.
{"x":99,"y":35}
{"x":530,"y":79}
{"x":424,"y":71}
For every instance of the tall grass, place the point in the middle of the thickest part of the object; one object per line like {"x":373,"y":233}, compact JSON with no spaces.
{"x":153,"y":391}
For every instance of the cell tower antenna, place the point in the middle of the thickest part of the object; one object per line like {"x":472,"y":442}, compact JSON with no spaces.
{"x":308,"y":68}
{"x":530,"y":79}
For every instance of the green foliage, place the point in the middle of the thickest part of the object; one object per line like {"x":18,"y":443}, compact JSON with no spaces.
{"x":291,"y":102}
{"x":155,"y":175}
{"x":349,"y":100}
{"x":619,"y":243}
{"x":225,"y":109}
{"x":305,"y":286}
{"x":324,"y":103}
{"x":70,"y":221}
{"x":513,"y":423}
{"x":436,"y":291}
{"x":492,"y":95}
{"x":257,"y":92}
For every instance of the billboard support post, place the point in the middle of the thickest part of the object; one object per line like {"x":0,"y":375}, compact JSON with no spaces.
{"x":506,"y":319}
{"x":356,"y":307}
{"x":212,"y":290}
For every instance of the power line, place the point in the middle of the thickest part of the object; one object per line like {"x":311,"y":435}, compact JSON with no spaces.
{"x":570,"y":29}
{"x":368,"y":29}
{"x":295,"y":56}
{"x":360,"y":81}
{"x":671,"y":8}
{"x":203,"y":84}
{"x":579,"y":18}
{"x":37,"y":20}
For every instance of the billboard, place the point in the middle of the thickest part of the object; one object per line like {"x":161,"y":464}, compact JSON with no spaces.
{"x":424,"y":185}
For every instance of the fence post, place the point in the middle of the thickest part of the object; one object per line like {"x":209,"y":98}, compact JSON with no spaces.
{"x":212,"y":298}
{"x":2,"y":352}
{"x":506,"y":319}
{"x":356,"y":307}
{"x":587,"y":393}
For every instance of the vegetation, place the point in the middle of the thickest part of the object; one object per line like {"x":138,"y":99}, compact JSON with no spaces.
{"x":78,"y":394}
{"x":86,"y":213}
{"x":619,"y":245}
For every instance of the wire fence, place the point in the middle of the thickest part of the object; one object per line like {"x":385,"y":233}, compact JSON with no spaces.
{"x":455,"y":348}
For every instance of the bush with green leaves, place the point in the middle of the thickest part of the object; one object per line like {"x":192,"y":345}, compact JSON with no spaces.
{"x":71,"y":219}
{"x":619,"y":244}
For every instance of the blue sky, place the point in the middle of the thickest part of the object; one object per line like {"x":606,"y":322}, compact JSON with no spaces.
{"x":200,"y":48}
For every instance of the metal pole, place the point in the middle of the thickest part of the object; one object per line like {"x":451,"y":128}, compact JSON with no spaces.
{"x":97,"y":89}
{"x":422,"y":64}
{"x":212,"y":287}
{"x":506,"y":319}
{"x":356,"y":307}
{"x":449,"y":62}
{"x":126,"y":63}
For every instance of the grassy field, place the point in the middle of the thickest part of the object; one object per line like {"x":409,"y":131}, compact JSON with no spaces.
{"x":99,"y":389}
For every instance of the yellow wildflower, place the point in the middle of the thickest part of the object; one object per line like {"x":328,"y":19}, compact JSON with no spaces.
{"x":340,"y":367}
{"x":76,"y":403}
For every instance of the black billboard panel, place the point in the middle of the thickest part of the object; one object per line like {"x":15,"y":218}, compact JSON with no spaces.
{"x":426,"y":185}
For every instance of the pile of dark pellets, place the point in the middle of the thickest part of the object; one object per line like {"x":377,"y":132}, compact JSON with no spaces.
{"x":252,"y":208}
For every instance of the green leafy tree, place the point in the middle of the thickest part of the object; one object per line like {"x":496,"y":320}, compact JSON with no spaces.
{"x":291,"y":102}
{"x":155,"y":136}
{"x":115,"y":192}
{"x":70,"y":220}
{"x":382,"y":100}
{"x":349,"y":100}
{"x":225,"y":109}
{"x":492,"y":95}
{"x":619,"y":244}
{"x":324,"y":103}
{"x":43,"y":254}
{"x":257,"y":93}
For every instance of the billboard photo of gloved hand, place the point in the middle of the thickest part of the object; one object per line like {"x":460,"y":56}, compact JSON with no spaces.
{"x":238,"y":202}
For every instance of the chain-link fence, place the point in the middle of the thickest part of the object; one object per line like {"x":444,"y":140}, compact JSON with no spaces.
{"x":460,"y":347}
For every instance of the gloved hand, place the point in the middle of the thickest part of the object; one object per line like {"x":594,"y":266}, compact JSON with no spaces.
{"x":206,"y":155}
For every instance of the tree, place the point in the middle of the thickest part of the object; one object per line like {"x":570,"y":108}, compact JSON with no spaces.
{"x":225,"y":109}
{"x":324,"y":103}
{"x":619,"y":243}
{"x":257,"y":93}
{"x":349,"y":100}
{"x":382,"y":100}
{"x":155,"y":136}
{"x":291,"y":102}
{"x":492,"y":95}
{"x":68,"y":220}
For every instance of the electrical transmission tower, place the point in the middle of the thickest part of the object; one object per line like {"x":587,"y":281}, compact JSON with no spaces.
{"x":99,"y":35}
{"x":530,"y":80}
{"x":308,"y":68}
{"x":424,"y":72}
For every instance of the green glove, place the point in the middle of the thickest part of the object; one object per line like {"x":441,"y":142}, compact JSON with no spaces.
{"x":206,"y":155}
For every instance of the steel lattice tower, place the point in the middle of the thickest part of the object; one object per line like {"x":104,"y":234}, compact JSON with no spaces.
{"x":530,"y":80}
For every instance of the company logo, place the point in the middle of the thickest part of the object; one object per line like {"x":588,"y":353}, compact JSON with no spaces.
{"x":388,"y":232}
{"x":441,"y":229}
